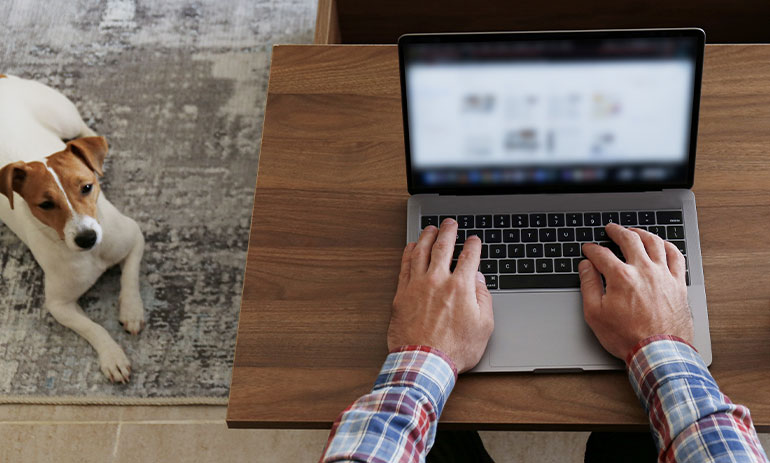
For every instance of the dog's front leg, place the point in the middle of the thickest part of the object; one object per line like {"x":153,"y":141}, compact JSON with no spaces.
{"x":112,"y":359}
{"x":131,"y":308}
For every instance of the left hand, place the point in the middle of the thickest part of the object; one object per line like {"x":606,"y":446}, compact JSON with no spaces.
{"x":449,"y":311}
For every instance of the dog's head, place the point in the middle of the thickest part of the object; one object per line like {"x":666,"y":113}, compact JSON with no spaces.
{"x":62,"y":192}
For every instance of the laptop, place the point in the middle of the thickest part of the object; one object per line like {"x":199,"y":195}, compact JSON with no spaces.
{"x":534,"y":141}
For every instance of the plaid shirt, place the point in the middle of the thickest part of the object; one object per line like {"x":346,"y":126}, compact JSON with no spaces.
{"x":691,"y":420}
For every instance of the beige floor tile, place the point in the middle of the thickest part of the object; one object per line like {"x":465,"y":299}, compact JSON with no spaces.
{"x":535,"y":447}
{"x":213,"y":442}
{"x":174,"y":413}
{"x":59,"y":443}
{"x":15,"y":413}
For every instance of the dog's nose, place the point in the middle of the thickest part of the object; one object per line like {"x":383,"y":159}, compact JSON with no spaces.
{"x":86,"y":239}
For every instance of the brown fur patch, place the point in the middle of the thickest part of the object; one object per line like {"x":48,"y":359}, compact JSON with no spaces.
{"x":2,"y":75}
{"x":74,"y":174}
{"x":38,"y":187}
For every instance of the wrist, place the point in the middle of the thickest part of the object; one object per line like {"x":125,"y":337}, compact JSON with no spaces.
{"x":650,"y":339}
{"x":431,"y":350}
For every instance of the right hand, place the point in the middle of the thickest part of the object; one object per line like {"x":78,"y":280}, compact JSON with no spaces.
{"x":645,"y":296}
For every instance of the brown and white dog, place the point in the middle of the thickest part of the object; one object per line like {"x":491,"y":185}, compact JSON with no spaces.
{"x":54,"y":205}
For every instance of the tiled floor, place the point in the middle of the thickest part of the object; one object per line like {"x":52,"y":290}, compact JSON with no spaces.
{"x":193,"y":434}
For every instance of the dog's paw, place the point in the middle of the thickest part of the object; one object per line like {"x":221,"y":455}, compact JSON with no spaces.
{"x":115,"y":364}
{"x":131,"y":313}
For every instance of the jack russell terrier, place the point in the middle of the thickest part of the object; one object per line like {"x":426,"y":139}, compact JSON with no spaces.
{"x":55,"y":206}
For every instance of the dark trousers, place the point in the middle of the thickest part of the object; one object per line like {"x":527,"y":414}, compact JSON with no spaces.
{"x":601,"y":447}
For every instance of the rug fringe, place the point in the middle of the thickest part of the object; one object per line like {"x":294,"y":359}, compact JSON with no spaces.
{"x":106,"y":400}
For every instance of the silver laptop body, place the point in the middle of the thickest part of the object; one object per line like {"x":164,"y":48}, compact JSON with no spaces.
{"x":542,"y":328}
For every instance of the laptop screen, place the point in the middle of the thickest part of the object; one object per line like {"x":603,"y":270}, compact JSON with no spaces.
{"x":545,"y":112}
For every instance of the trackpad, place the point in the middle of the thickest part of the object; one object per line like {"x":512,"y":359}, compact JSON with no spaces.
{"x":544,"y":330}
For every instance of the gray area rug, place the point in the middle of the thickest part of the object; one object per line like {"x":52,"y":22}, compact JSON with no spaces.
{"x":178,"y":89}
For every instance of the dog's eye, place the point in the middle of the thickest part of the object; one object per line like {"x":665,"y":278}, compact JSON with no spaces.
{"x":87,"y":188}
{"x":46,"y":205}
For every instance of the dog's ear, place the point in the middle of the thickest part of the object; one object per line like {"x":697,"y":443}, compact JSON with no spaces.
{"x":91,"y":150}
{"x":12,"y":178}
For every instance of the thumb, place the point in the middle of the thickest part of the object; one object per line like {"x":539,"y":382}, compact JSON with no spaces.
{"x":484,"y":298}
{"x":590,"y":286}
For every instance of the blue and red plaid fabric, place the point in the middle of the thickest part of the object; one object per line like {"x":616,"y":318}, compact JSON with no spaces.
{"x":691,"y":420}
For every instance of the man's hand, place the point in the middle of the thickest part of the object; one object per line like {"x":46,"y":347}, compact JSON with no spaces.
{"x":449,"y":311}
{"x":644,"y":297}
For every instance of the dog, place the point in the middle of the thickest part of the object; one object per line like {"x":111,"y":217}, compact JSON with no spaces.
{"x":50,"y":161}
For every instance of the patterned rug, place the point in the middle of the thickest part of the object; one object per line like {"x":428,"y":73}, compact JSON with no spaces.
{"x":177,"y":87}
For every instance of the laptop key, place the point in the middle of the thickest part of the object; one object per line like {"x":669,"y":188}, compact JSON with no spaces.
{"x":562,"y":265}
{"x":460,"y":237}
{"x":428,"y":220}
{"x":525,"y":266}
{"x":483,"y":221}
{"x":610,"y":217}
{"x":511,"y":236}
{"x":547,"y":235}
{"x":537,"y":220}
{"x":479,"y":233}
{"x":493,"y":236}
{"x":519,"y":220}
{"x":575,"y":219}
{"x":628,"y":218}
{"x":614,"y":248}
{"x":484,"y":251}
{"x":675,"y":233}
{"x":680,"y":245}
{"x":465,"y":221}
{"x":584,"y":234}
{"x":555,"y":220}
{"x":592,"y":219}
{"x":488,"y":266}
{"x":570,"y":249}
{"x":534,"y":250}
{"x":491,"y":281}
{"x":566,"y":234}
{"x":507,"y":266}
{"x":502,"y":221}
{"x":553,"y":250}
{"x":600,"y":234}
{"x":658,"y":230}
{"x":529,"y":235}
{"x":669,"y":217}
{"x":497,"y":251}
{"x":452,"y":265}
{"x":646,"y":218}
{"x":575,"y":262}
{"x":544,"y":265}
{"x":555,"y":280}
{"x":516,"y":250}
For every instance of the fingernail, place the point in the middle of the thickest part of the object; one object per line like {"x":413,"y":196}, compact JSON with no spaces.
{"x":583,"y":267}
{"x":480,"y":277}
{"x":448,"y":221}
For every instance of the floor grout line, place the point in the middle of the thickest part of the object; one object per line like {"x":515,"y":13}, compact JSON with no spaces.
{"x":117,"y":441}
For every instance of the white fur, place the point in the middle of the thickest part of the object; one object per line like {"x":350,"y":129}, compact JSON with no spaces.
{"x":33,"y":121}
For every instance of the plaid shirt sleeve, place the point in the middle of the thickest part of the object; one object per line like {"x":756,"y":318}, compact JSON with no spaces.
{"x":396,"y":422}
{"x":691,"y":420}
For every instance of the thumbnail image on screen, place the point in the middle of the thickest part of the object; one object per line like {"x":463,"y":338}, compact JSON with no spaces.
{"x":570,"y":111}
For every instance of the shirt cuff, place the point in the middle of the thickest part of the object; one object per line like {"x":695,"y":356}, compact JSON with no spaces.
{"x":423,"y":368}
{"x":659,"y":359}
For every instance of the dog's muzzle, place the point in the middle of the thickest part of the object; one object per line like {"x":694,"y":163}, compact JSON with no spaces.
{"x":86,"y":239}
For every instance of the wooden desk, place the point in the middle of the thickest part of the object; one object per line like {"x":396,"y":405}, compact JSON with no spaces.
{"x":329,"y":227}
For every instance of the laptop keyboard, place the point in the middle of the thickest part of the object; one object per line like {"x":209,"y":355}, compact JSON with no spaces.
{"x":543,"y":250}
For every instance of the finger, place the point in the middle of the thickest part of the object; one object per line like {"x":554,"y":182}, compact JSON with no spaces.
{"x":469,"y":259}
{"x":443,"y":248}
{"x":406,"y":264}
{"x":602,"y":258}
{"x":591,"y":287}
{"x":675,"y":261}
{"x":484,"y":298}
{"x":421,"y":251}
{"x":629,"y":242}
{"x":652,"y":244}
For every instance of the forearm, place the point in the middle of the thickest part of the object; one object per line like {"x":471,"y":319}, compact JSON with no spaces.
{"x":397,"y":420}
{"x":691,"y":420}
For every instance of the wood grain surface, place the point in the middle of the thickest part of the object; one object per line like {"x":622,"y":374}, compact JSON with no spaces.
{"x":366,"y":22}
{"x":329,"y":227}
